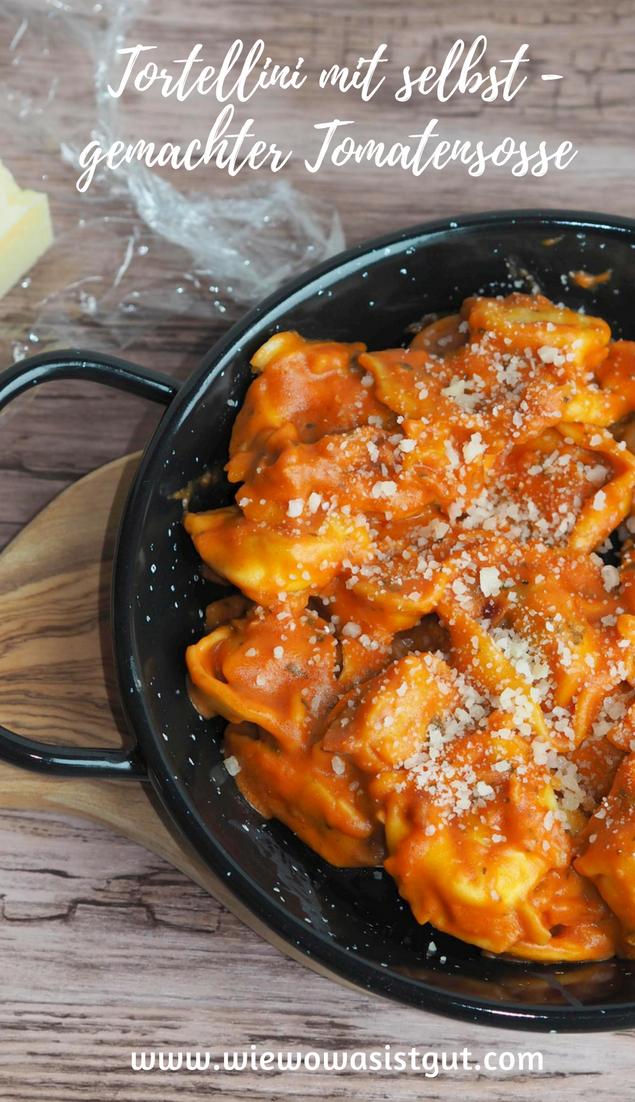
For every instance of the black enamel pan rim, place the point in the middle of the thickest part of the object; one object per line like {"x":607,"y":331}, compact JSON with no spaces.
{"x":170,"y":788}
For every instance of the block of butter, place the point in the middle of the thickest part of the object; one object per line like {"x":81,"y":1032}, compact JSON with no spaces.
{"x":25,"y":229}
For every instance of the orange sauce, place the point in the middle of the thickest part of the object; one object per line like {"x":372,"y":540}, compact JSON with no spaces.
{"x":427,"y":664}
{"x":588,"y":281}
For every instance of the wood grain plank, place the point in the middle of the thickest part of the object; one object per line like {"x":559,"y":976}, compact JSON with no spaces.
{"x":103,"y":945}
{"x":164,"y":966}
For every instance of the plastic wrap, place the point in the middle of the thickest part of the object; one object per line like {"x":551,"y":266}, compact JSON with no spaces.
{"x":137,"y":247}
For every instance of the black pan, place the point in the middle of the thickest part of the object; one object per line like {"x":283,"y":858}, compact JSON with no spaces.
{"x":350,"y":923}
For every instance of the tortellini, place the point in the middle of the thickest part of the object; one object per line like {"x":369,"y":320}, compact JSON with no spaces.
{"x":428,"y":661}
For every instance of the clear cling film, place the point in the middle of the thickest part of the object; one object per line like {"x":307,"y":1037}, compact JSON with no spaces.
{"x":200,"y":247}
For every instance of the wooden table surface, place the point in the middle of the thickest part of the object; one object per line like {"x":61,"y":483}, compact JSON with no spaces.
{"x":104,"y":947}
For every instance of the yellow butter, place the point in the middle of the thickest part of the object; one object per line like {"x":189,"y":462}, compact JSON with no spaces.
{"x":25,"y":229}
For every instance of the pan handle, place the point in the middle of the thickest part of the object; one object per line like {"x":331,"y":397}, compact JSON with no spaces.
{"x":75,"y":761}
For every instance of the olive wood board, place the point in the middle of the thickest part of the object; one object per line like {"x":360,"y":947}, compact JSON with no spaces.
{"x":57,"y":681}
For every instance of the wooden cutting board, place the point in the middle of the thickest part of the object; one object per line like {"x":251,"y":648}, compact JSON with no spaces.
{"x":56,"y":671}
{"x":57,"y":678}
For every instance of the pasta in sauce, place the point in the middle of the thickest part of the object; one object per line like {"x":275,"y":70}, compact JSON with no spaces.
{"x":430,"y":660}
